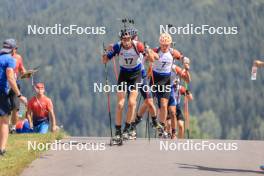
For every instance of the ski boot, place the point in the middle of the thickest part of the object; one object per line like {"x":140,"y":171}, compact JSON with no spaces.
{"x":117,"y":139}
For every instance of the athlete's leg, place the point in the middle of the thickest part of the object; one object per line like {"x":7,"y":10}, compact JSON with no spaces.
{"x":147,"y":105}
{"x":132,"y":101}
{"x":151,"y":107}
{"x":168,"y":125}
{"x":148,"y":101}
{"x":163,"y":110}
{"x":120,"y":107}
{"x":172,"y":112}
{"x":180,"y":129}
{"x":180,"y":123}
{"x":118,"y":121}
{"x":142,"y":110}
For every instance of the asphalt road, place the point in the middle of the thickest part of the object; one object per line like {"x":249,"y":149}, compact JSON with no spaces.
{"x":149,"y":158}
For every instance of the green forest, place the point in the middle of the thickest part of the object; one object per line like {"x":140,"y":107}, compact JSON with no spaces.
{"x":227,"y":104}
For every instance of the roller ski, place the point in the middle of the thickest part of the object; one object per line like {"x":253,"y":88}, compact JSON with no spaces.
{"x":160,"y":129}
{"x":163,"y":135}
{"x":132,"y":130}
{"x":125,"y":134}
{"x":117,"y":139}
{"x":132,"y":133}
{"x":157,"y":126}
{"x":129,"y":132}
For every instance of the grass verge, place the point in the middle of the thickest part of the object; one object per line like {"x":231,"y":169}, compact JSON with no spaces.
{"x":18,"y":156}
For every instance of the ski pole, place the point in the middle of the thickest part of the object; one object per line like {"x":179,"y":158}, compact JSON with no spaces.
{"x":148,"y":128}
{"x":108,"y":97}
{"x":186,"y":112}
{"x":115,"y":69}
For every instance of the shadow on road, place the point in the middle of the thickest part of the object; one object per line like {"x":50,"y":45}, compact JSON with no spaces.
{"x":213,"y":169}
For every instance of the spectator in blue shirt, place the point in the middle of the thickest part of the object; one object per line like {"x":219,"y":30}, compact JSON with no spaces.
{"x":7,"y":80}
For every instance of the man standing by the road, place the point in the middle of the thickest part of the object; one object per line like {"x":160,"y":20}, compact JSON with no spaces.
{"x":19,"y":70}
{"x":7,"y":78}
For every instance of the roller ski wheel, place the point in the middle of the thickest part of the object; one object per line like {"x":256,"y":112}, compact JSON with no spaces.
{"x":157,"y":126}
{"x":126,"y":135}
{"x":116,"y":141}
{"x":132,"y":133}
{"x":163,"y":135}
